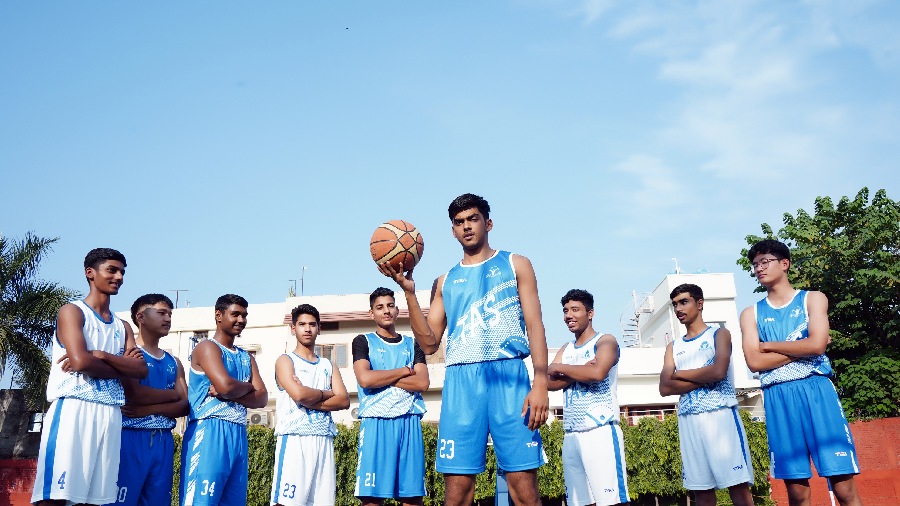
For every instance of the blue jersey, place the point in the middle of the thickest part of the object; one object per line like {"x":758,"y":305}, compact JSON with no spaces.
{"x":237,"y":363}
{"x":296,"y":419}
{"x":161,"y":374}
{"x":99,"y":334}
{"x":694,"y":353}
{"x":389,"y":401}
{"x":588,"y":405}
{"x":783,"y":324}
{"x":484,"y":317}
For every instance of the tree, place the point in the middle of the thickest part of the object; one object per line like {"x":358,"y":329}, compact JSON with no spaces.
{"x":851,"y":253}
{"x":28,"y":308}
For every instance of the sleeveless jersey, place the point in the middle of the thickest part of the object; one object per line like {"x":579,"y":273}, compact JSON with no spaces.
{"x":389,"y":401}
{"x":694,"y":353}
{"x":788,"y":323}
{"x":484,"y":317}
{"x":108,"y":336}
{"x":294,"y":418}
{"x":237,"y":363}
{"x":589,"y":405}
{"x":161,"y":374}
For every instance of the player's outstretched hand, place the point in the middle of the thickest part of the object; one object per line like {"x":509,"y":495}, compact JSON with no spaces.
{"x":405,"y":281}
{"x":536,"y":407}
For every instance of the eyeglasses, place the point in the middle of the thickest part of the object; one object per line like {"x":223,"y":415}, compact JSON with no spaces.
{"x":762,"y":264}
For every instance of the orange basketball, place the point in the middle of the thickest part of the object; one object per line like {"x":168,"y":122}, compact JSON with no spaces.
{"x":397,"y":242}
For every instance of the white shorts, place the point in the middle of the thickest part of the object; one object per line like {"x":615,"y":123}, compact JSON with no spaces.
{"x":79,"y":454}
{"x":594,"y":466}
{"x":714,"y":450}
{"x":304,"y":471}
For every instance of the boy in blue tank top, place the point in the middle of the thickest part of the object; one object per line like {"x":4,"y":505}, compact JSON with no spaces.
{"x":309,"y":389}
{"x":489,"y":306}
{"x":713,"y":442}
{"x":391,"y":373}
{"x":785,"y":336}
{"x":586,"y":368}
{"x":151,"y":407}
{"x":78,"y":460}
{"x":224,"y":382}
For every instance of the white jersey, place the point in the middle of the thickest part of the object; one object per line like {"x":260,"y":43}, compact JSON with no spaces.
{"x":589,"y":405}
{"x":294,"y":418}
{"x":694,"y":353}
{"x":108,"y":336}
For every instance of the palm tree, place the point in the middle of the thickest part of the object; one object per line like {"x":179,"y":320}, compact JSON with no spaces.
{"x":28,"y":308}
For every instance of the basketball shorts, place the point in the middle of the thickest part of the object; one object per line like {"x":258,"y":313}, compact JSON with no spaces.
{"x":214,"y":463}
{"x":480,"y":399}
{"x":594,"y":466}
{"x":304,"y":471}
{"x":145,"y":467}
{"x":391,"y":459}
{"x":714,"y":450}
{"x":804,"y":419}
{"x":79,"y":453}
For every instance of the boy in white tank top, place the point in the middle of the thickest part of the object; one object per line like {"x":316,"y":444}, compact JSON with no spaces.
{"x":697,"y":366}
{"x":586,"y":368}
{"x":309,"y":389}
{"x":79,"y":453}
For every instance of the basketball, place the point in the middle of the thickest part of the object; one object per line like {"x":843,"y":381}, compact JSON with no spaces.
{"x":397,"y":242}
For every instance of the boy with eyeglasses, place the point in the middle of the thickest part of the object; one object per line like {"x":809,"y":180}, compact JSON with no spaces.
{"x":784,"y":339}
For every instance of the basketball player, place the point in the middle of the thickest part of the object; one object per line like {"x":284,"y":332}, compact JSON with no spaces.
{"x":309,"y":389}
{"x":488,"y":303}
{"x":391,"y":372}
{"x":697,"y":366}
{"x":224,"y":382}
{"x":785,"y":336}
{"x":151,"y":407}
{"x":78,"y":460}
{"x":593,"y":450}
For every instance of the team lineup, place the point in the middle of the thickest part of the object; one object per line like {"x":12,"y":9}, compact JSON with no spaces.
{"x":115,"y":394}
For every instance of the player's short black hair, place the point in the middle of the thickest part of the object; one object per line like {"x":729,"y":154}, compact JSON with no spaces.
{"x":468,"y":201}
{"x":228,"y":299}
{"x":304,"y":309}
{"x":689,"y":288}
{"x":380,"y":292}
{"x":97,"y":256}
{"x":150,"y":299}
{"x":578,"y":295}
{"x":777,"y":248}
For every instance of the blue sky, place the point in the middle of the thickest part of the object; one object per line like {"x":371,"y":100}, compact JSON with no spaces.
{"x":222,"y":146}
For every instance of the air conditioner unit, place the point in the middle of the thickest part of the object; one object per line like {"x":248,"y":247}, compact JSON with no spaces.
{"x":258,"y":417}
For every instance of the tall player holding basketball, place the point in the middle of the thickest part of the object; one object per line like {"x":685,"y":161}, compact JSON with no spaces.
{"x":79,"y":453}
{"x":488,"y":303}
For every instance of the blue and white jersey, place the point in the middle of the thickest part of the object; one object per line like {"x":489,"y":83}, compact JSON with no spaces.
{"x":161,"y":374}
{"x":108,"y":336}
{"x":589,"y":405}
{"x":389,"y":401}
{"x":694,"y":353}
{"x":783,"y":324}
{"x":237,"y":363}
{"x":484,"y":317}
{"x":292,"y":417}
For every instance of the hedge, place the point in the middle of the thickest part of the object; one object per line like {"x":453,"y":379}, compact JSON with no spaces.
{"x":652,"y":457}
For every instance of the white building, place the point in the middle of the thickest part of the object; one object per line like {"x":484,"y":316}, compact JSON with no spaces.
{"x":267,"y":335}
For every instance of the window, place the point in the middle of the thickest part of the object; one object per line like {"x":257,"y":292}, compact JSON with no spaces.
{"x":37,"y":422}
{"x":337,"y":353}
{"x":329,"y":326}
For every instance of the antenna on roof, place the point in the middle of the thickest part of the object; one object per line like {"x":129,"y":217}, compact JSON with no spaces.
{"x":677,"y":269}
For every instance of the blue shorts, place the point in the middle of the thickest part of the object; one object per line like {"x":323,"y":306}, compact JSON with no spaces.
{"x":804,"y":419}
{"x":483,"y":398}
{"x":145,"y":467}
{"x":214,"y":463}
{"x":391,"y":461}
